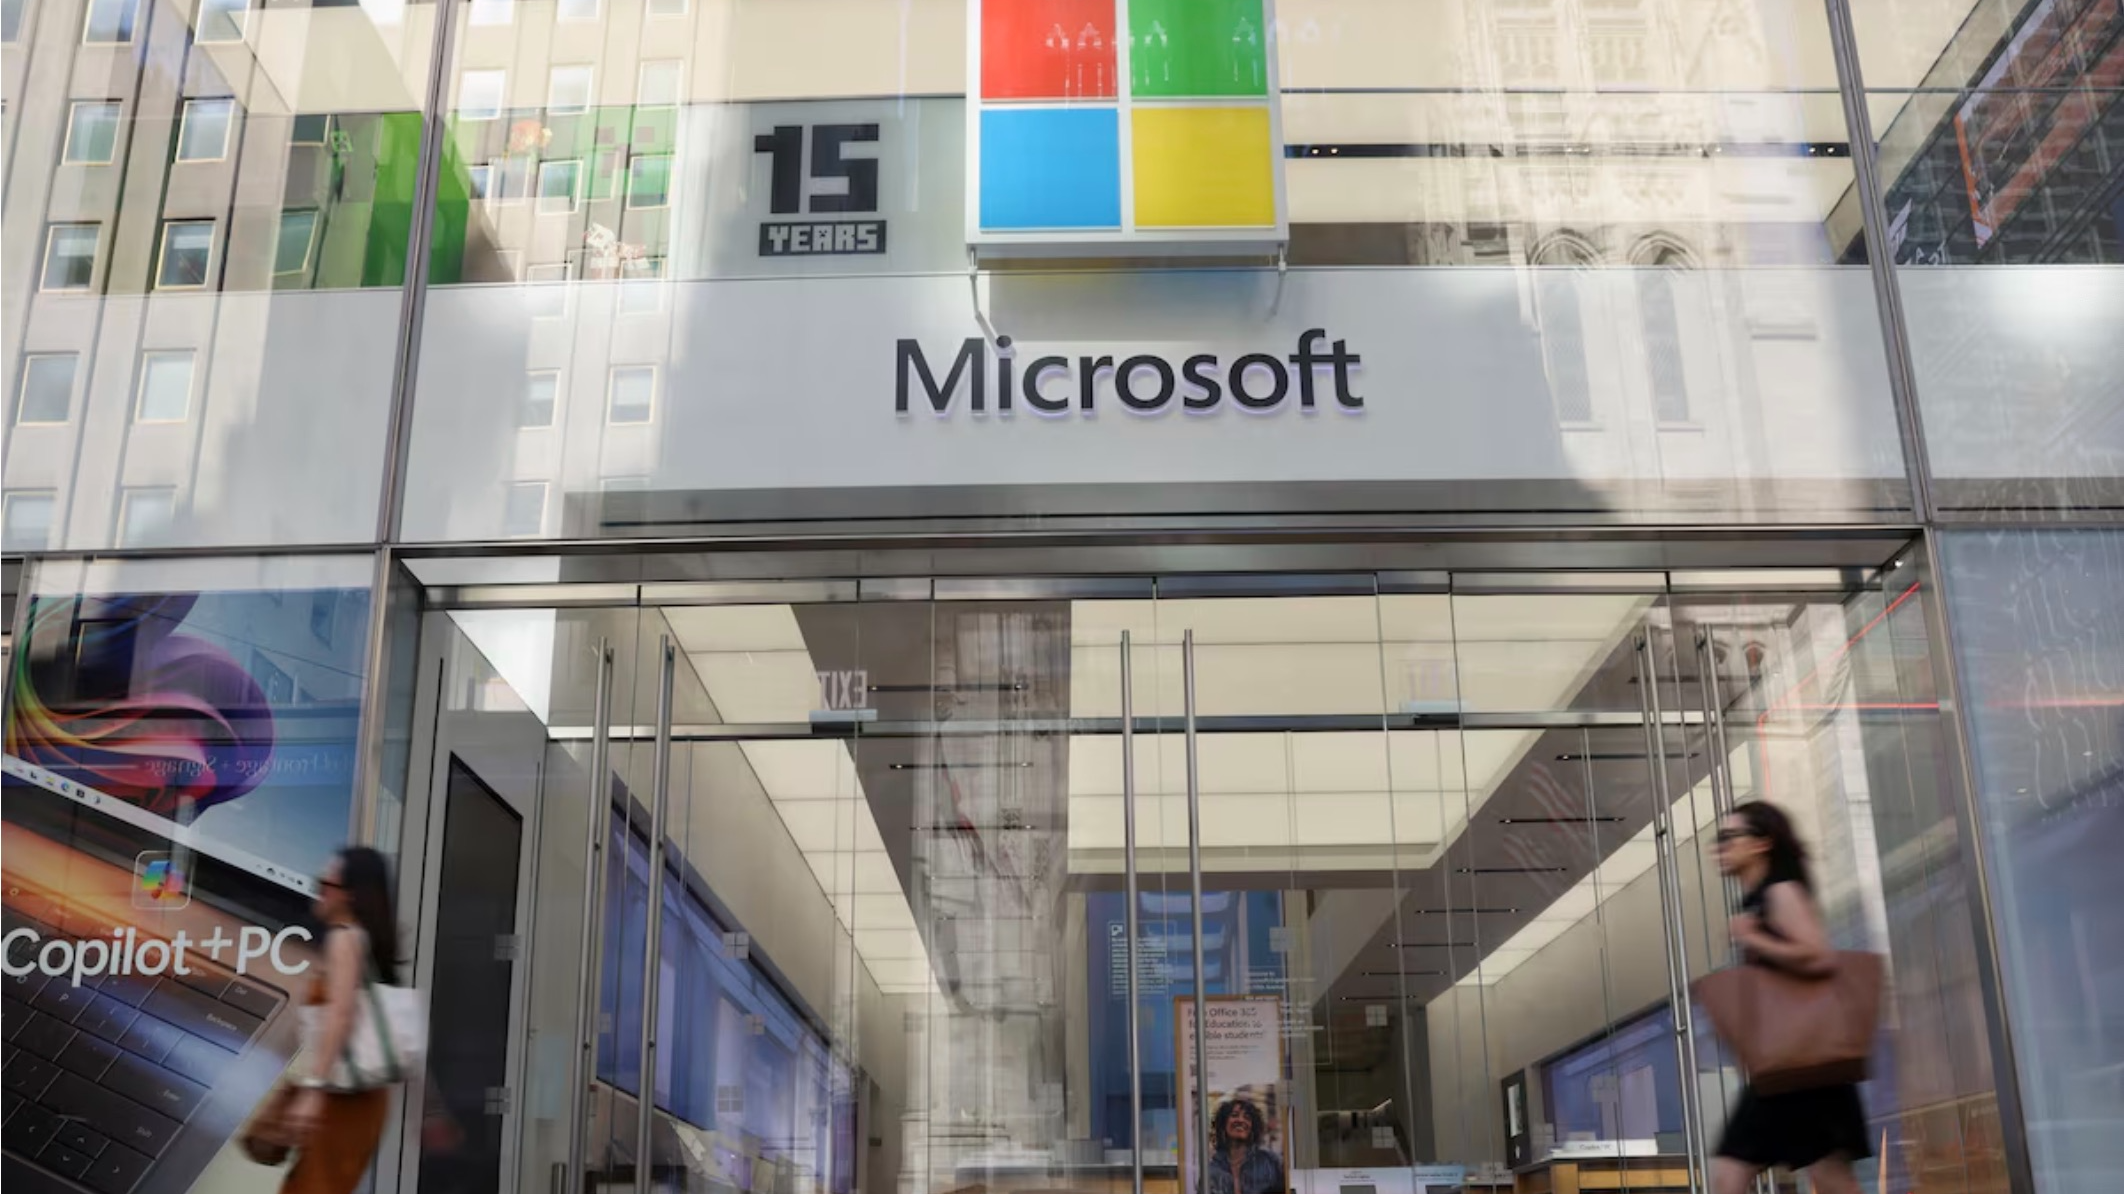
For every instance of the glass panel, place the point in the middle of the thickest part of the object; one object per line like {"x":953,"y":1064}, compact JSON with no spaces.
{"x":1317,"y":825}
{"x":1627,"y":212}
{"x":2037,"y":624}
{"x":2001,"y":128}
{"x":1558,"y":987}
{"x":1827,"y":709}
{"x":140,"y":848}
{"x":264,"y":200}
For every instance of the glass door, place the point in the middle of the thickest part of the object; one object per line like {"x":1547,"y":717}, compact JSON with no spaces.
{"x":520,"y":708}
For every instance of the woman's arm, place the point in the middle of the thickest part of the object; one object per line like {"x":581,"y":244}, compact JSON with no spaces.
{"x":1801,"y":943}
{"x":343,"y":974}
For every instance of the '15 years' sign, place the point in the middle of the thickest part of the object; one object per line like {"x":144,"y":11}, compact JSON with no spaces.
{"x":829,"y":173}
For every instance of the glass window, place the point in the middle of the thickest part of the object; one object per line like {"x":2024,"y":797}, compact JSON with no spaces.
{"x":221,"y":20}
{"x":633,"y":394}
{"x":1663,"y":344}
{"x":145,"y":516}
{"x":11,"y":19}
{"x":297,"y":230}
{"x":577,"y":10}
{"x":642,"y":286}
{"x":558,"y":185}
{"x":548,"y":297}
{"x":493,"y":12}
{"x":110,"y":20}
{"x":479,"y":181}
{"x":568,"y":89}
{"x":29,"y":520}
{"x":1563,"y":347}
{"x":204,"y":133}
{"x":47,"y":393}
{"x":541,"y":397}
{"x":92,"y":132}
{"x":165,"y":387}
{"x":480,"y":94}
{"x":525,"y":512}
{"x":660,"y":84}
{"x":310,"y":128}
{"x":70,"y":256}
{"x":649,"y":181}
{"x":2037,"y":620}
{"x":187,"y":254}
{"x":667,"y":8}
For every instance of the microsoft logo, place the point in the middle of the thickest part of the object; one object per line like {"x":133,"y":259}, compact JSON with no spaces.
{"x":1123,"y":123}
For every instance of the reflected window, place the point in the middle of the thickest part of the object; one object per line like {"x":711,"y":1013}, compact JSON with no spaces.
{"x":46,"y":394}
{"x":524,"y":511}
{"x":632,"y":398}
{"x":548,"y":299}
{"x":291,"y":252}
{"x":11,"y":19}
{"x":568,"y":89}
{"x":667,"y":8}
{"x":222,"y":20}
{"x":109,"y":21}
{"x":203,"y":136}
{"x":660,"y":84}
{"x":92,"y":132}
{"x":70,"y":256}
{"x":576,"y":10}
{"x":1663,"y":340}
{"x":479,"y":182}
{"x":641,"y":290}
{"x":541,"y":398}
{"x":649,"y":182}
{"x":311,"y":128}
{"x":145,"y":516}
{"x":187,"y":254}
{"x":493,"y":12}
{"x":29,"y":520}
{"x":479,"y":94}
{"x":165,"y":387}
{"x":1563,"y":347}
{"x":558,"y":185}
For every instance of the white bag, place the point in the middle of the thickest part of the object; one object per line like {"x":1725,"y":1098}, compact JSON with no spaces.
{"x":387,"y":1044}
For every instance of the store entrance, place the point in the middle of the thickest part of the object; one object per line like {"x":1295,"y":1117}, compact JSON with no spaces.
{"x":935,"y":884}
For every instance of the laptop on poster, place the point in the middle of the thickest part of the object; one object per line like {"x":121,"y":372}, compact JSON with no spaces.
{"x":151,"y":982}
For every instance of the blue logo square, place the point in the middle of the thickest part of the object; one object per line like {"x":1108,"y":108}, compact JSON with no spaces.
{"x":1050,"y":168}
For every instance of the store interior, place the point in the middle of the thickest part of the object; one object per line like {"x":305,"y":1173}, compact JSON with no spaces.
{"x":894,"y":943}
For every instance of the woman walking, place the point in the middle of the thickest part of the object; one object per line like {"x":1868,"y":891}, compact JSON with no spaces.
{"x":339,"y":1130}
{"x":1821,"y":1130}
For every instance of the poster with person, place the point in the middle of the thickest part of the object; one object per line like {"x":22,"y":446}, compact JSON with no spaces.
{"x":1244,"y":1141}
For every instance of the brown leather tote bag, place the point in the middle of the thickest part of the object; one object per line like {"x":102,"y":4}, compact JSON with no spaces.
{"x":1795,"y":1031}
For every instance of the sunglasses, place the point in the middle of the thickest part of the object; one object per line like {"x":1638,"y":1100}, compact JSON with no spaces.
{"x":1736,"y":835}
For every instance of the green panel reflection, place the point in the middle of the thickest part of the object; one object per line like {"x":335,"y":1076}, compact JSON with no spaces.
{"x":1182,"y":48}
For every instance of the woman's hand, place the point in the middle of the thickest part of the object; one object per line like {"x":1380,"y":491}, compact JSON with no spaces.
{"x":1747,"y":929}
{"x":306,"y":1112}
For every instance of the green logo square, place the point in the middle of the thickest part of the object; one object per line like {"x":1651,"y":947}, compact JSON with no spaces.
{"x":1182,"y":49}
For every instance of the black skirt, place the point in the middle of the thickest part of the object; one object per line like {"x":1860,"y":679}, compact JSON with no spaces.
{"x":1797,"y":1128}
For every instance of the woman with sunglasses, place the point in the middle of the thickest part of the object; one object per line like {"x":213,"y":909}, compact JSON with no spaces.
{"x":1820,"y":1130}
{"x":339,"y":1130}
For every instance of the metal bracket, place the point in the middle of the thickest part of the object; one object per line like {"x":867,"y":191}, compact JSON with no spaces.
{"x":1283,"y":272}
{"x":973,"y":289}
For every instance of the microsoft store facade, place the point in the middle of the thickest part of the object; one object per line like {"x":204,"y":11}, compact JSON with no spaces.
{"x":923,"y":592}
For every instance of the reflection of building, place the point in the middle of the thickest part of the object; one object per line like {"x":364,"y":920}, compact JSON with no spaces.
{"x":588,"y":328}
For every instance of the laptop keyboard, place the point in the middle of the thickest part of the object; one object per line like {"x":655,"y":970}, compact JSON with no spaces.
{"x":100,"y":1078}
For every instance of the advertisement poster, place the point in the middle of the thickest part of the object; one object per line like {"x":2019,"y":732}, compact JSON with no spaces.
{"x":1244,"y":1143}
{"x":178,"y":766}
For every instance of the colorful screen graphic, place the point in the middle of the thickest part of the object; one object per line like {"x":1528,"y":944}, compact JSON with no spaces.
{"x":234,"y":713}
{"x":1120,"y":121}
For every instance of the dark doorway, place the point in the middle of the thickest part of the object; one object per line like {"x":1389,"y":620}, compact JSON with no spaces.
{"x":475,"y":914}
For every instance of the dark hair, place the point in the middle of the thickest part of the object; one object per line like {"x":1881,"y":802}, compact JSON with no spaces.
{"x":1788,"y":858}
{"x":1230,"y":1107}
{"x":366,"y":878}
